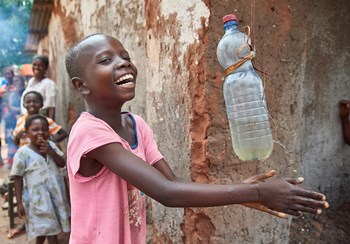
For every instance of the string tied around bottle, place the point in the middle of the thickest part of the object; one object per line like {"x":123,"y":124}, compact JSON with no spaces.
{"x":244,"y":59}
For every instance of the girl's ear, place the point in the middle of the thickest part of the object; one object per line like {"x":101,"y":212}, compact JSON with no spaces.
{"x":80,"y":86}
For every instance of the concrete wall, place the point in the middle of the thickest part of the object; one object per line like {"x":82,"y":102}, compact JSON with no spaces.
{"x":303,"y":47}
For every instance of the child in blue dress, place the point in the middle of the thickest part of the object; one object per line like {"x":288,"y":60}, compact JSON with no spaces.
{"x":44,"y":204}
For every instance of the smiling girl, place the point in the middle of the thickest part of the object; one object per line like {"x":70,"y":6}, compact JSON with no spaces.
{"x":44,"y":204}
{"x":45,"y":86}
{"x":114,"y":162}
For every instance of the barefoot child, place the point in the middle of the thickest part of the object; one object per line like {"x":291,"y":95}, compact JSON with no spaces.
{"x":113,"y":160}
{"x":33,"y":102}
{"x":44,"y":204}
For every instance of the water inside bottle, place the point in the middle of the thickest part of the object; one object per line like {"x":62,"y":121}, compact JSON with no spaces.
{"x":254,"y":145}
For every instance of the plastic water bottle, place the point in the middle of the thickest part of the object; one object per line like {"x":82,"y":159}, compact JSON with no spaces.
{"x":244,"y":95}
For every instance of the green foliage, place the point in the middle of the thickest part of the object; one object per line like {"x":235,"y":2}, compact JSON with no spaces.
{"x":14,"y":24}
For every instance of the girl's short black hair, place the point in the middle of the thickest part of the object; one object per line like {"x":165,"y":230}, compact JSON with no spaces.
{"x":33,"y":117}
{"x":38,"y":94}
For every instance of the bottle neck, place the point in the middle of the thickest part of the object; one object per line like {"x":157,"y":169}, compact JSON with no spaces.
{"x":230,"y":25}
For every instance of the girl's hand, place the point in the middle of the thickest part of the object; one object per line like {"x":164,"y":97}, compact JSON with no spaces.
{"x":283,"y":196}
{"x":20,"y":210}
{"x":257,"y":205}
{"x":45,"y":147}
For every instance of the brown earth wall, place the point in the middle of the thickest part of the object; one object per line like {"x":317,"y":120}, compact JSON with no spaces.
{"x":303,"y":48}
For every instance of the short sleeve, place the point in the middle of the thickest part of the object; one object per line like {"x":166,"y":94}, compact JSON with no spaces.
{"x":18,"y":167}
{"x":53,"y":127}
{"x":86,"y":135}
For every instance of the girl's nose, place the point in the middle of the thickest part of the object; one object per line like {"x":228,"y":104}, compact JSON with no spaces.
{"x":120,"y":63}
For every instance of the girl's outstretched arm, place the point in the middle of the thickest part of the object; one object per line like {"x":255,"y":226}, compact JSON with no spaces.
{"x":276,"y":194}
{"x":164,"y":168}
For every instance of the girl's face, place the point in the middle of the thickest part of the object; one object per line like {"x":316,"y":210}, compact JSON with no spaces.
{"x":38,"y":131}
{"x":39,"y":69}
{"x":108,"y":71}
{"x":32,"y":103}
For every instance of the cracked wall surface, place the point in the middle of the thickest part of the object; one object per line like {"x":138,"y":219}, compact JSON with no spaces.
{"x":304,"y":50}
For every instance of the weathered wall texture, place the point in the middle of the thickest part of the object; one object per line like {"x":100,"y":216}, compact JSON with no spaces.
{"x":304,"y":48}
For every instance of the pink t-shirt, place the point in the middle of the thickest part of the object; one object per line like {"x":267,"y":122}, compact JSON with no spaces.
{"x":105,"y":208}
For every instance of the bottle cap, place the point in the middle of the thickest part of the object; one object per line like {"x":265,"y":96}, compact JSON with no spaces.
{"x":228,"y":17}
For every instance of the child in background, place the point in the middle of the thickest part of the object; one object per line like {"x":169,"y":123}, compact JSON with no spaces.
{"x":5,"y":81}
{"x":14,"y":107}
{"x":11,"y":111}
{"x":113,"y":160}
{"x":44,"y":204}
{"x":8,"y":75}
{"x":33,"y":102}
{"x":45,"y":86}
{"x":15,"y":97}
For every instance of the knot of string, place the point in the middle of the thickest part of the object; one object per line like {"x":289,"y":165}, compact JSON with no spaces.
{"x":251,"y":46}
{"x":244,"y":59}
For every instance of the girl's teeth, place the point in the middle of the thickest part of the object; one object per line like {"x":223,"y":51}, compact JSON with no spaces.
{"x":125,"y":77}
{"x":128,"y":84}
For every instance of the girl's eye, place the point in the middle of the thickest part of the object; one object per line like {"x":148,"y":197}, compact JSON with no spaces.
{"x":127,"y":58}
{"x":105,"y":60}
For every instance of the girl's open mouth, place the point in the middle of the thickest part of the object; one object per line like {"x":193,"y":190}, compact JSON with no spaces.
{"x":125,"y":81}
